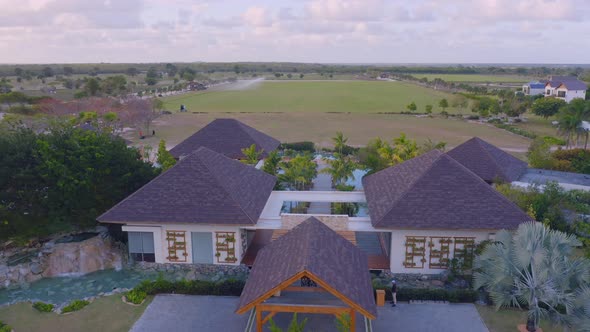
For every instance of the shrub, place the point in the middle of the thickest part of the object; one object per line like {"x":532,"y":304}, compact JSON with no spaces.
{"x":516,"y":130}
{"x":432,"y":294}
{"x":554,"y":140}
{"x":135,"y":296}
{"x":299,"y":146}
{"x":5,"y":327}
{"x":228,"y":287}
{"x":43,"y":307}
{"x":75,"y":306}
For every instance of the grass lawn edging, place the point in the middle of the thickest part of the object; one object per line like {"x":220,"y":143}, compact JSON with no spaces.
{"x":432,"y":294}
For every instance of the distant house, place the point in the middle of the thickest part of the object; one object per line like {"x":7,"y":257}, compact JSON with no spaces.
{"x":566,"y":88}
{"x":534,"y":88}
{"x":228,"y":137}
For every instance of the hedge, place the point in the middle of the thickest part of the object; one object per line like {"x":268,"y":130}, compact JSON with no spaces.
{"x":435,"y":294}
{"x":229,"y":287}
{"x":75,"y":306}
{"x":299,"y":146}
{"x":5,"y":327}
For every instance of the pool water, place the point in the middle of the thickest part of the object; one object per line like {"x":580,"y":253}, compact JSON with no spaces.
{"x":64,"y":289}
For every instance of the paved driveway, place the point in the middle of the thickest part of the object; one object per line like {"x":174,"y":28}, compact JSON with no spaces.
{"x":180,"y":313}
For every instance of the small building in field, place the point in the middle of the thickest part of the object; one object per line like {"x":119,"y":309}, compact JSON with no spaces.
{"x":228,"y":137}
{"x":566,"y":88}
{"x":534,"y":88}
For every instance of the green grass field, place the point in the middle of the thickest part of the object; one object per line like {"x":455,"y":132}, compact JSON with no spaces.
{"x":313,"y":97}
{"x":104,"y":314}
{"x":474,"y":78}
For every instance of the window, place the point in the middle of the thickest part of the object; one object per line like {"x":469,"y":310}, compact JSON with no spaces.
{"x":141,"y":246}
{"x":548,"y":92}
{"x":561,"y":94}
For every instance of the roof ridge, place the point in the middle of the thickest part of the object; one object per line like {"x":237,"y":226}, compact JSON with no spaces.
{"x":498,"y":167}
{"x":141,"y":188}
{"x":246,"y":129}
{"x":220,"y":183}
{"x":481,"y":181}
{"x":409,"y":187}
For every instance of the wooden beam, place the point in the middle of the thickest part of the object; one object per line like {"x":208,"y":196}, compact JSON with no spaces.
{"x":271,"y":292}
{"x":352,"y":320}
{"x":339,"y":295}
{"x":303,"y":289}
{"x":269,"y":316}
{"x":258,"y":320}
{"x":302,"y":308}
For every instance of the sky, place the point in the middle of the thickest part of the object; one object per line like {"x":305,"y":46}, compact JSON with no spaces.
{"x":318,"y":31}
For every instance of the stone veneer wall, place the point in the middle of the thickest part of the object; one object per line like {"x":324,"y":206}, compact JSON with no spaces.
{"x":212,"y":272}
{"x":335,"y":222}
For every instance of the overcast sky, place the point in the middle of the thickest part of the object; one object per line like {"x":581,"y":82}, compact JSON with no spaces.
{"x":329,"y":31}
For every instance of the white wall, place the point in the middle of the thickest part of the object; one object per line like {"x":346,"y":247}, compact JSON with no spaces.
{"x":573,"y":94}
{"x":398,"y":248}
{"x":161,"y":245}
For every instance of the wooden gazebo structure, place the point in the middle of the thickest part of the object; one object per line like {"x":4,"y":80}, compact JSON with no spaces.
{"x":311,"y":269}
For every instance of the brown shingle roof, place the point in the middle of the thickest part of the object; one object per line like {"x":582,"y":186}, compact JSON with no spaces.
{"x":205,"y":187}
{"x":228,"y":137}
{"x":313,"y":247}
{"x":433,"y":191}
{"x":487,"y":161}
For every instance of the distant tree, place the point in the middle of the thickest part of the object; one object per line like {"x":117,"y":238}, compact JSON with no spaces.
{"x":412,"y":107}
{"x":430,"y":145}
{"x":131,"y":71}
{"x":18,"y":72}
{"x":547,"y":107}
{"x":570,"y":118}
{"x":92,"y":87}
{"x":301,"y":75}
{"x":68,"y":71}
{"x":252,"y":155}
{"x":236,"y":69}
{"x":428,"y":109}
{"x":277,"y":75}
{"x":443,"y":103}
{"x":171,"y":70}
{"x":289,"y":75}
{"x":47,"y":72}
{"x":151,"y":78}
{"x":165,"y":159}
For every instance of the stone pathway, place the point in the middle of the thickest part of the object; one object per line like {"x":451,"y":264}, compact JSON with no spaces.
{"x":216,"y":313}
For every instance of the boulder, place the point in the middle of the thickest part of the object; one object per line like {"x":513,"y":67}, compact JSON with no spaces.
{"x":36,"y":268}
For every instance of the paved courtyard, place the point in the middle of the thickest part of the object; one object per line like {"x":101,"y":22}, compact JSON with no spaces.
{"x":181,"y":313}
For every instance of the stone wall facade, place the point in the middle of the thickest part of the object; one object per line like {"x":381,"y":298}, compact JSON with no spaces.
{"x":211,"y":272}
{"x":335,"y":222}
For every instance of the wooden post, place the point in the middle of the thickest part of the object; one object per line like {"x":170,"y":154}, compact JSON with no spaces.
{"x":258,"y":320}
{"x":352,"y":320}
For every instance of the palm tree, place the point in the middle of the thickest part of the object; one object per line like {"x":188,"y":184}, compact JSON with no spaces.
{"x":252,"y":156}
{"x":570,"y":120}
{"x":339,"y":142}
{"x":532,"y":268}
{"x":340,"y":169}
{"x":299,"y":172}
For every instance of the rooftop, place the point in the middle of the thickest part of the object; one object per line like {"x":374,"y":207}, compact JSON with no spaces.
{"x":434,"y":191}
{"x":228,"y":137}
{"x":204,"y":187}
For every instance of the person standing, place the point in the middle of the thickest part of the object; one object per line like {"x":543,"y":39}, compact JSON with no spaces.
{"x":393,"y":293}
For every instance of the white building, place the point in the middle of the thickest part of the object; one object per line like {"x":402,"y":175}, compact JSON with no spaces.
{"x":566,"y":88}
{"x":533,"y":88}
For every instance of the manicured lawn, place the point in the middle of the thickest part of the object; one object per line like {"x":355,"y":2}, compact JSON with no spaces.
{"x":476,"y":78}
{"x":506,"y":320}
{"x":106,"y":314}
{"x":321,"y":127}
{"x":313,"y":97}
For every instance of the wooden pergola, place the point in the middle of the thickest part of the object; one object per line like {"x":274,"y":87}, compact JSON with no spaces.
{"x":338,"y":282}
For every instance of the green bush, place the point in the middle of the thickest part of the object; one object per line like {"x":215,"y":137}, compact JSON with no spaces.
{"x":516,"y":130}
{"x":75,"y":306}
{"x":135,"y":296}
{"x":432,"y":294}
{"x":5,"y":327}
{"x":43,"y":307}
{"x":299,"y":146}
{"x":191,"y":287}
{"x":554,"y":140}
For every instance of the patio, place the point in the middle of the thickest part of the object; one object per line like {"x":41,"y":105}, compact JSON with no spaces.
{"x":216,"y":313}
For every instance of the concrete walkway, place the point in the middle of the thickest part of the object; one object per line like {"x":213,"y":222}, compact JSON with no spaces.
{"x":181,"y":313}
